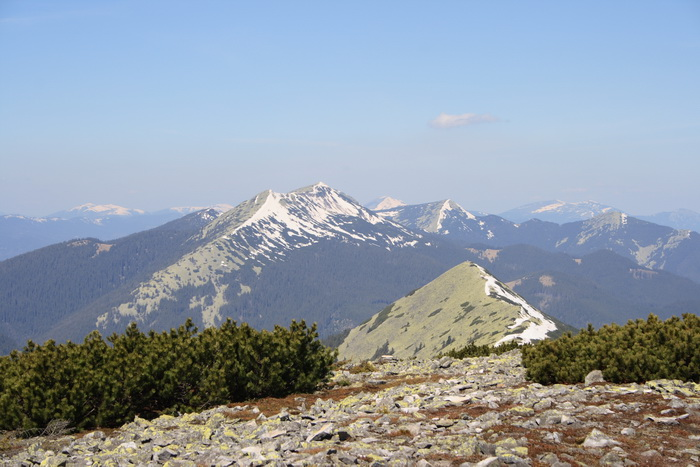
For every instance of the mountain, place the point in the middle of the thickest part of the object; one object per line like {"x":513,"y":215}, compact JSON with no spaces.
{"x":682,"y":219}
{"x":229,"y":273}
{"x":222,"y":207}
{"x":599,"y":288}
{"x":451,"y":220}
{"x":438,"y":217}
{"x":649,"y":245}
{"x":45,"y":289}
{"x":559,"y":212}
{"x":21,"y":234}
{"x":312,"y":254}
{"x":464,"y":305}
{"x":97,"y":211}
{"x":384,"y":202}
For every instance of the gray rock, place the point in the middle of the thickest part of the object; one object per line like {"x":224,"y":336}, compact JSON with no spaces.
{"x":595,"y":376}
{"x":598,"y":439}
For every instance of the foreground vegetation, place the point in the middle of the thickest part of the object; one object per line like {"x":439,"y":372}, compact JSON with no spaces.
{"x":636,"y":352}
{"x":100,"y":383}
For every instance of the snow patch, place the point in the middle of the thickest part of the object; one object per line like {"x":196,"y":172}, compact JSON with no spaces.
{"x":539,"y":325}
{"x":550,"y":207}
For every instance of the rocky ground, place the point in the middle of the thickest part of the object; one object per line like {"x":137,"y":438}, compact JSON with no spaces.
{"x":478,"y":411}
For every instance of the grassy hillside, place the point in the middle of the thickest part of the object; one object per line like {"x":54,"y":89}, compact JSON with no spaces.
{"x":448,"y":313}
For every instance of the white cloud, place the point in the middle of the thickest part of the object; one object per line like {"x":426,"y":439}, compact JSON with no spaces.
{"x":449,"y":121}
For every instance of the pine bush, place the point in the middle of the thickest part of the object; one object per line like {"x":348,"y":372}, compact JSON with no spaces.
{"x":636,"y":352}
{"x":107,"y":383}
{"x":473,"y":350}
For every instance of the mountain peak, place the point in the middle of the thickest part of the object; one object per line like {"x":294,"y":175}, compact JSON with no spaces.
{"x":437,"y":217}
{"x":383,"y":203}
{"x":464,"y":305}
{"x":449,"y":205}
{"x":316,"y":187}
{"x":264,"y":230}
{"x":557,"y":211}
{"x":99,"y":210}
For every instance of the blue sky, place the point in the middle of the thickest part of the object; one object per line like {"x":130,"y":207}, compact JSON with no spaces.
{"x":494,"y":104}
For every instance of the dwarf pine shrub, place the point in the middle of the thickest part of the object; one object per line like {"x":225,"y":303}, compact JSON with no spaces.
{"x":473,"y":350}
{"x":107,"y":383}
{"x":636,"y":352}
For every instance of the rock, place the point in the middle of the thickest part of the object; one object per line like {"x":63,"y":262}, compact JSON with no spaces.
{"x":323,"y":433}
{"x":598,"y":439}
{"x":595,"y":376}
{"x":444,"y":423}
{"x":488,"y":462}
{"x":667,"y":420}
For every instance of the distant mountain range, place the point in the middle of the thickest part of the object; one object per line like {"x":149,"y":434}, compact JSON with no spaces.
{"x":561,"y":212}
{"x":20,"y":234}
{"x":648,"y":244}
{"x":316,"y":254}
{"x":556,"y":211}
{"x":680,"y":219}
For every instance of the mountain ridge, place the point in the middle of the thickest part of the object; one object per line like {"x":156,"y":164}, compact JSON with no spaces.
{"x":464,"y":305}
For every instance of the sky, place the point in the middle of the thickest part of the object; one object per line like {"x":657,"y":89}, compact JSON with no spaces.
{"x":493,"y":104}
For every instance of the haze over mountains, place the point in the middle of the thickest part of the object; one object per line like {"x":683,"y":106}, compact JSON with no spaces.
{"x":317,"y":254}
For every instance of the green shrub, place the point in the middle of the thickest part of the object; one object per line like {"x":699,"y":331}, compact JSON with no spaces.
{"x":636,"y":352}
{"x":100,"y":383}
{"x":364,"y":367}
{"x":472,"y":350}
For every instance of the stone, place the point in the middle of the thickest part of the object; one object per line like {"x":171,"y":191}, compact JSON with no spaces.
{"x":595,"y":376}
{"x":598,"y":439}
{"x":488,"y":462}
{"x":668,"y":420}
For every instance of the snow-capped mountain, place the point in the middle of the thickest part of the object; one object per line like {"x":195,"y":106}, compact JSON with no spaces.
{"x":97,"y":211}
{"x":384,"y":202}
{"x":559,"y":212}
{"x":437,"y":217}
{"x":220,"y":277}
{"x":650,"y":245}
{"x":451,"y":220}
